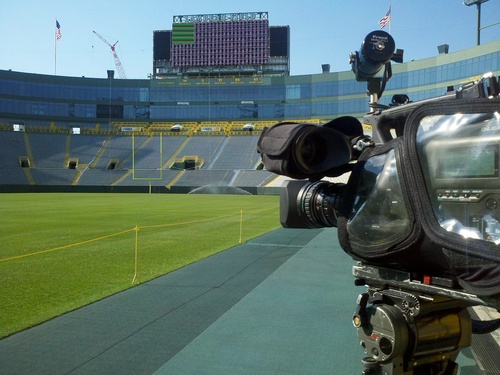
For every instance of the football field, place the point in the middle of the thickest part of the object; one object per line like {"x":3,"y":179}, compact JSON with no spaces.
{"x":62,"y":251}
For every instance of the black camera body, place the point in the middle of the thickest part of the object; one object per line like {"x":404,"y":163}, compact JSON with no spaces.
{"x":460,"y":168}
{"x":420,"y":211}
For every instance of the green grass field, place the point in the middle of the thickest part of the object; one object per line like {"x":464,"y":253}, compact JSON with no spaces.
{"x":63,"y":251}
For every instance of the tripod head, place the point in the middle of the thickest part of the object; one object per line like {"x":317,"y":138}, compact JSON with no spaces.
{"x":406,"y":326}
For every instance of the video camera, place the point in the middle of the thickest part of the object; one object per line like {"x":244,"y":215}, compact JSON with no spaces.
{"x":420,"y":212}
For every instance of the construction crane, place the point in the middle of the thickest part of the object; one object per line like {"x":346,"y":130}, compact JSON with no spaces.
{"x":118,"y":63}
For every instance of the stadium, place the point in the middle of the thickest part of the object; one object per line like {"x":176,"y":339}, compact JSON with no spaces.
{"x":192,"y":127}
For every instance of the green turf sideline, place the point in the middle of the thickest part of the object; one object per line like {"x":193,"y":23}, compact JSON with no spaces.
{"x":63,"y":251}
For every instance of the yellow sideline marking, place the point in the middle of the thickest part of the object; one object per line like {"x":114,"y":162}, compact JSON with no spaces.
{"x":65,"y":246}
{"x":136,"y":228}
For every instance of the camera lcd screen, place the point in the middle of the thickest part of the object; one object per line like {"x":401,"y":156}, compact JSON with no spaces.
{"x":468,"y":162}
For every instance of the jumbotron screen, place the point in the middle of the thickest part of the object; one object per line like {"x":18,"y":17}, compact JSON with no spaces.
{"x":220,"y":43}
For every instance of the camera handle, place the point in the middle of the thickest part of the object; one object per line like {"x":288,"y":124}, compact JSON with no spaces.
{"x":405,"y":333}
{"x":375,"y":85}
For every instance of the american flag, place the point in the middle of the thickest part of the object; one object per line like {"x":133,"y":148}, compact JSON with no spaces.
{"x":386,"y":19}
{"x":58,"y":30}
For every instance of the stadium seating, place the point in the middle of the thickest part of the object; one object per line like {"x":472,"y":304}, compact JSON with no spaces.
{"x":86,"y":147}
{"x":48,"y":150}
{"x":238,"y":153}
{"x":13,"y":147}
{"x":120,"y":160}
{"x":10,"y":176}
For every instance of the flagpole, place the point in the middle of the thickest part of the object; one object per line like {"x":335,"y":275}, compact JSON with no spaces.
{"x":390,"y":20}
{"x":55,"y":50}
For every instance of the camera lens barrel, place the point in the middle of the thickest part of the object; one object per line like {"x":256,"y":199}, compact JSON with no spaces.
{"x":310,"y":205}
{"x":319,"y":202}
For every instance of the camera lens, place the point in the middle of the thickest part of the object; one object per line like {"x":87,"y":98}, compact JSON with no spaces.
{"x":311,"y":150}
{"x":319,"y":148}
{"x":310,"y":205}
{"x":319,"y":202}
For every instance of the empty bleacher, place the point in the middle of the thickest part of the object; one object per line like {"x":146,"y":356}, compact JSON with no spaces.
{"x":240,"y":152}
{"x":53,"y":176}
{"x":86,"y":147}
{"x":62,"y":159}
{"x":99,"y":177}
{"x":155,"y":178}
{"x":246,"y":178}
{"x":205,"y":177}
{"x":12,"y":147}
{"x":118,"y":152}
{"x":13,"y":176}
{"x":205,"y":147}
{"x":48,"y":150}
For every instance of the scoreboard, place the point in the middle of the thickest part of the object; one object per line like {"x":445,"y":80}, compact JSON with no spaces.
{"x":217,"y":41}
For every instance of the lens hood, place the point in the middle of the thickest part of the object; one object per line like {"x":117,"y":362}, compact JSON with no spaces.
{"x":305,"y":150}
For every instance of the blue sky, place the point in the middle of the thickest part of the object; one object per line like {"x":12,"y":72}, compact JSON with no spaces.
{"x":322,"y":31}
